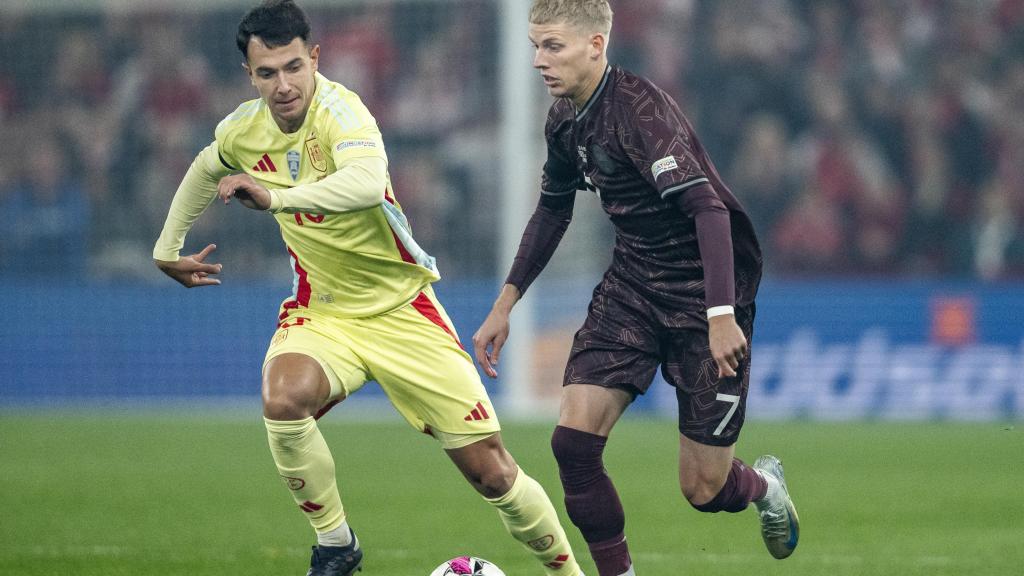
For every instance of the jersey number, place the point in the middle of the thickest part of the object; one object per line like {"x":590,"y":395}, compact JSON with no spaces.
{"x":735,"y":401}
{"x":314,"y":218}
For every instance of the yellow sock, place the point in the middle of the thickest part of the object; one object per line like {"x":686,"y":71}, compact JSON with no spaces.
{"x":307,"y":468}
{"x":530,"y":518}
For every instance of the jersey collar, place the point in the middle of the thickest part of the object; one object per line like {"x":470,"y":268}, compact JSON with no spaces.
{"x":597,"y":94}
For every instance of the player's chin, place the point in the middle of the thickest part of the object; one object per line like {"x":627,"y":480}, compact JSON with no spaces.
{"x":556,"y":90}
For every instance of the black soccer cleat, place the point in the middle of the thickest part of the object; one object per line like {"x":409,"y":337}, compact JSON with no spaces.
{"x":336,"y":560}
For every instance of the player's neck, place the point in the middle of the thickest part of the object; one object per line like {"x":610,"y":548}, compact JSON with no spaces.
{"x":590,"y":85}
{"x":293,"y":126}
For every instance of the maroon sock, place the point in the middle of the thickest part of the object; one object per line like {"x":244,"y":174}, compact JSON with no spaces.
{"x":743,"y":486}
{"x":590,"y":498}
{"x":611,"y":556}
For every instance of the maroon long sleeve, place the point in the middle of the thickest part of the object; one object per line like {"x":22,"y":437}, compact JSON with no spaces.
{"x":543,"y":233}
{"x":714,"y":240}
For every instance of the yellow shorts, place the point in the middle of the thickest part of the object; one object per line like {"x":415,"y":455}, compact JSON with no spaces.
{"x":413,"y":352}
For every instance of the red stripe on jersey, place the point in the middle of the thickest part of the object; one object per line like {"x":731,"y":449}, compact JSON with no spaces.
{"x":303,"y":291}
{"x":406,"y":257}
{"x":483,"y":411}
{"x":427,"y":308}
{"x":270,"y":163}
{"x":263,"y":167}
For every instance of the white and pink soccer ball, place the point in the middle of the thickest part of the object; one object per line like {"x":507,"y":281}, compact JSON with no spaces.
{"x":467,"y":566}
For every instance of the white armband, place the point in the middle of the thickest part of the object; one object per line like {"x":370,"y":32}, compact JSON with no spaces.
{"x":719,"y":311}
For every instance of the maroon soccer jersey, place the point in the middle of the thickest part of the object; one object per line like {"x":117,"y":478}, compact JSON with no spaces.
{"x":632,"y":146}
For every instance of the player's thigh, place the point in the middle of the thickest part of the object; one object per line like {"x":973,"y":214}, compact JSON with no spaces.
{"x":311,"y":362}
{"x":613,"y":358}
{"x":711,"y":409}
{"x":417,"y":359}
{"x":592,"y":408}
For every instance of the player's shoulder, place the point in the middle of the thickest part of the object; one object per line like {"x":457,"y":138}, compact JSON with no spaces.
{"x":243,"y":115}
{"x":238,"y":121}
{"x":629,"y":89}
{"x":337,"y":107}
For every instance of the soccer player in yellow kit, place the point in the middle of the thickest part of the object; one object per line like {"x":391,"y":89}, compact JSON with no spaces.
{"x":309,"y":152}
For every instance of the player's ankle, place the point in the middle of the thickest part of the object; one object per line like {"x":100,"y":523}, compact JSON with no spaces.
{"x":340,"y":536}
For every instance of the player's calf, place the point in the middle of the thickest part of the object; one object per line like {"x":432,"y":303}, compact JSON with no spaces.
{"x":743,"y":485}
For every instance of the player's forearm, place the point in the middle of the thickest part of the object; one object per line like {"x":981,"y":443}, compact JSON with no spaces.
{"x":195,"y":193}
{"x":357,"y":185}
{"x":714,"y":239}
{"x":542,"y":236}
{"x":507,"y":299}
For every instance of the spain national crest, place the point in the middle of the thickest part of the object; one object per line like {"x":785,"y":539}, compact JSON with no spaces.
{"x":315,"y":153}
{"x":293,"y":163}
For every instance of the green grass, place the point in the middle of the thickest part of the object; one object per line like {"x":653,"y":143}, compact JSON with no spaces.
{"x":163,"y":494}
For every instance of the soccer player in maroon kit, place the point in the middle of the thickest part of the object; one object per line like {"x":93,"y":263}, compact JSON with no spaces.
{"x":679,"y":292}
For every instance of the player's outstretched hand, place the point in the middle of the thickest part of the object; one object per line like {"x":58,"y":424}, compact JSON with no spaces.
{"x":489,"y":339}
{"x":192,"y":271}
{"x":728,"y":344}
{"x":247,"y":190}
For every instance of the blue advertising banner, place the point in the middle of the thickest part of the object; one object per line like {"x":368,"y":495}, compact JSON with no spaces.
{"x":822,"y":350}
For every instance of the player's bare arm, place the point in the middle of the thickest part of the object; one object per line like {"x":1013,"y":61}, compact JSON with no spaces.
{"x":728,"y":344}
{"x":192,"y":271}
{"x":245,"y":189}
{"x":492,"y":334}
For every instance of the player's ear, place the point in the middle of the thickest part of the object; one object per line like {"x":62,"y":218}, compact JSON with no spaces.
{"x":248,"y":71}
{"x":598,"y":43}
{"x":314,"y":56}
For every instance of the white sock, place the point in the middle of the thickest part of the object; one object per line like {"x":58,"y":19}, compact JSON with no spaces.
{"x":340,"y":536}
{"x":773,"y":486}
{"x":629,"y":572}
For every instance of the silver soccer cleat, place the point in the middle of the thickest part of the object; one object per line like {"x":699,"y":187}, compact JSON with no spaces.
{"x":780,"y":526}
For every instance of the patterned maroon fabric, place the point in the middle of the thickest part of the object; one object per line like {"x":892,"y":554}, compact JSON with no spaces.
{"x":625,"y":338}
{"x":633,"y":147}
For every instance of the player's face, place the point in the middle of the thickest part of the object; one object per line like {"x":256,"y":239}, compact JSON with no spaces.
{"x":570,"y":61}
{"x":284,"y":77}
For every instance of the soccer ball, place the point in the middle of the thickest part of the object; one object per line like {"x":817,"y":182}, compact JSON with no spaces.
{"x":467,"y":565}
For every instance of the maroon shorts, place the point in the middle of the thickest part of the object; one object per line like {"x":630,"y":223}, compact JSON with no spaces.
{"x":625,"y":338}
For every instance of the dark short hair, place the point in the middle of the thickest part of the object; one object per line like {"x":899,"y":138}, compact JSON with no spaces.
{"x":276,"y":22}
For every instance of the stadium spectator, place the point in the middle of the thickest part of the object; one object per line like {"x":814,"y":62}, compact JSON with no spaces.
{"x":45,"y":226}
{"x":926,"y":87}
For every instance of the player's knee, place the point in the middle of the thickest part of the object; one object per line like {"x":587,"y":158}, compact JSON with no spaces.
{"x":286,"y":407}
{"x":579,"y":455}
{"x":493,"y":479}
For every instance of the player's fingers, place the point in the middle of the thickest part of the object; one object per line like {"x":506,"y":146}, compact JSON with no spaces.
{"x":499,"y":343}
{"x":480,"y":351}
{"x":725,"y":368}
{"x":205,"y":252}
{"x":210,"y":268}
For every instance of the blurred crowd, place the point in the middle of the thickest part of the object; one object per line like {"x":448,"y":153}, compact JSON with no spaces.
{"x":865,"y":137}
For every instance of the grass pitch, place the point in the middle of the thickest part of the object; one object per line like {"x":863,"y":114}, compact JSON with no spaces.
{"x":195,"y":494}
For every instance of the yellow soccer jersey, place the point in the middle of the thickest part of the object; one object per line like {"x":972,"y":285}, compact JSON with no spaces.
{"x":351,"y":264}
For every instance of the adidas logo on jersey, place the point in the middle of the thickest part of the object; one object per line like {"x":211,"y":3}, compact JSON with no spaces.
{"x":265,"y":165}
{"x":478,"y":413}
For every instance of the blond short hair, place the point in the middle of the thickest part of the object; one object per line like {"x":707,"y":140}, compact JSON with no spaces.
{"x":590,"y":15}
